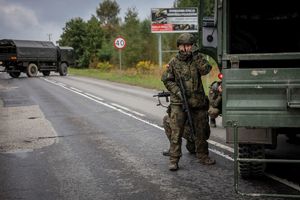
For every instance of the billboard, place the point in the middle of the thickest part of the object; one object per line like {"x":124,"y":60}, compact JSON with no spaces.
{"x":174,"y":20}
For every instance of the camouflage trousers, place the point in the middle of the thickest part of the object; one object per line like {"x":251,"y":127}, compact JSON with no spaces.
{"x":190,"y":141}
{"x":178,"y":120}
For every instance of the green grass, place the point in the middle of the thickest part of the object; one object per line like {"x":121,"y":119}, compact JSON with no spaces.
{"x":151,"y":81}
{"x":147,"y":81}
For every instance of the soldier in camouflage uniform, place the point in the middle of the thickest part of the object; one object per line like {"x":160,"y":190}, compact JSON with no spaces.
{"x":190,"y":65}
{"x":215,"y":102}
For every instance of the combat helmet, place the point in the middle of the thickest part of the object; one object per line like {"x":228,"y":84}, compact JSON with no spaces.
{"x":185,"y":38}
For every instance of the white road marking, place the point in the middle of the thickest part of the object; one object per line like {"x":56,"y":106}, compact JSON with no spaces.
{"x":221,"y":154}
{"x":283,"y":181}
{"x":127,"y":109}
{"x":62,"y":84}
{"x":109,"y":106}
{"x":76,"y":89}
{"x":121,"y":109}
{"x":100,"y":99}
{"x":222,"y":146}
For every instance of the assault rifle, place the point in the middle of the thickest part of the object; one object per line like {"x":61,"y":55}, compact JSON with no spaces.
{"x":185,"y":104}
{"x":162,"y":94}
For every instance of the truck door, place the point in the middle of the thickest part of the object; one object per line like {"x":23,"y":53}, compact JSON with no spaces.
{"x":261,"y":62}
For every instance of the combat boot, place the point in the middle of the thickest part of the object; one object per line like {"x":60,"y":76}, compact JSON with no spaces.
{"x":166,"y":153}
{"x":206,"y":160}
{"x":173,"y":166}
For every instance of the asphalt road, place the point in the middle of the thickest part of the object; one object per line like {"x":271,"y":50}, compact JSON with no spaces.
{"x":91,"y":139}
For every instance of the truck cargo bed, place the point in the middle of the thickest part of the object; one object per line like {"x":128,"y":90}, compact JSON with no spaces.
{"x":27,"y":50}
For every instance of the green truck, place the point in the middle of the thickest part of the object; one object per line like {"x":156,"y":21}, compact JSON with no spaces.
{"x":31,"y":57}
{"x":257,"y":47}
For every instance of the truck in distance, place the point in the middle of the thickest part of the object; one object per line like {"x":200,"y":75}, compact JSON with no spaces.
{"x":31,"y":57}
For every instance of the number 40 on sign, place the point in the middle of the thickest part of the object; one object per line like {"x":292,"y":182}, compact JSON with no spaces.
{"x":119,"y":43}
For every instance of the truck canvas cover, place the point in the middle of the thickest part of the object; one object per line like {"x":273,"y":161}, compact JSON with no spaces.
{"x":24,"y":49}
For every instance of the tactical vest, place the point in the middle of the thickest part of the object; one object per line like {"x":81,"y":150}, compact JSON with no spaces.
{"x":192,"y":81}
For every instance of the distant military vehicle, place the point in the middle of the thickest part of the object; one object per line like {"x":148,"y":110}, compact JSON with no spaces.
{"x":257,"y":46}
{"x":31,"y":57}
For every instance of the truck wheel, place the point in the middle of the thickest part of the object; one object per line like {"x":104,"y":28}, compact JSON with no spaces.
{"x":63,"y":69}
{"x":46,"y":73}
{"x":251,"y":169}
{"x":258,"y":168}
{"x":14,"y":74}
{"x":244,"y":167}
{"x":32,"y":70}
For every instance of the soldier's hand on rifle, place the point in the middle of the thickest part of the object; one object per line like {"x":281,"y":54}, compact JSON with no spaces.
{"x":179,"y":95}
{"x":220,"y":89}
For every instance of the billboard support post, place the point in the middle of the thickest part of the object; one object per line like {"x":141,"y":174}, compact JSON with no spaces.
{"x":159,"y":51}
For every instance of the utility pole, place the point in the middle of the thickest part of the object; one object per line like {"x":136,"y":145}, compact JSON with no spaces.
{"x":49,"y":36}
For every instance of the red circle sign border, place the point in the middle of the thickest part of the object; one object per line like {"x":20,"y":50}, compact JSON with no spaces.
{"x":119,"y":37}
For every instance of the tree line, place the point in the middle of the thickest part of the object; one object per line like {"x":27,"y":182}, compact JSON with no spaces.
{"x":93,"y":39}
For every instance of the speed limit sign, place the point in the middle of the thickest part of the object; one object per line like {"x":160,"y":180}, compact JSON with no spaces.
{"x":120,"y":43}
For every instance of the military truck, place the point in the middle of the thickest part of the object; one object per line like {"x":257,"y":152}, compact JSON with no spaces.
{"x":31,"y":57}
{"x":257,"y":46}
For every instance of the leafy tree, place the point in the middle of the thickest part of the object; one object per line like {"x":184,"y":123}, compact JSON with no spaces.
{"x":84,"y":59}
{"x":94,"y":35}
{"x":131,"y":16}
{"x":108,"y":12}
{"x":94,"y":39}
{"x":148,"y":42}
{"x":131,"y":32}
{"x":85,"y":37}
{"x":186,"y":3}
{"x":74,"y":34}
{"x":105,"y":54}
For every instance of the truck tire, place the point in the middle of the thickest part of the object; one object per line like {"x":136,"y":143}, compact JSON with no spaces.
{"x":46,"y":73}
{"x":244,"y":167}
{"x":63,"y":69}
{"x":251,"y":169}
{"x":14,"y":74}
{"x":258,"y":168}
{"x":32,"y":70}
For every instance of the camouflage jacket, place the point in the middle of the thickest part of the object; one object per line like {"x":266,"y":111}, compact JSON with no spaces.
{"x":191,"y":71}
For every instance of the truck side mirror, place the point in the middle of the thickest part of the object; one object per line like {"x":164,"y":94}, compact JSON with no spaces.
{"x":209,"y":31}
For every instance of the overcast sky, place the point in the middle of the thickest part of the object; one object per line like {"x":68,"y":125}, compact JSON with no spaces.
{"x":36,"y":19}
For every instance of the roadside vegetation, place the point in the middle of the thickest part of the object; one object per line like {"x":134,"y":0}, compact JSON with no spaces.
{"x":97,"y":57}
{"x":93,"y":40}
{"x":144,"y":75}
{"x":130,"y":77}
